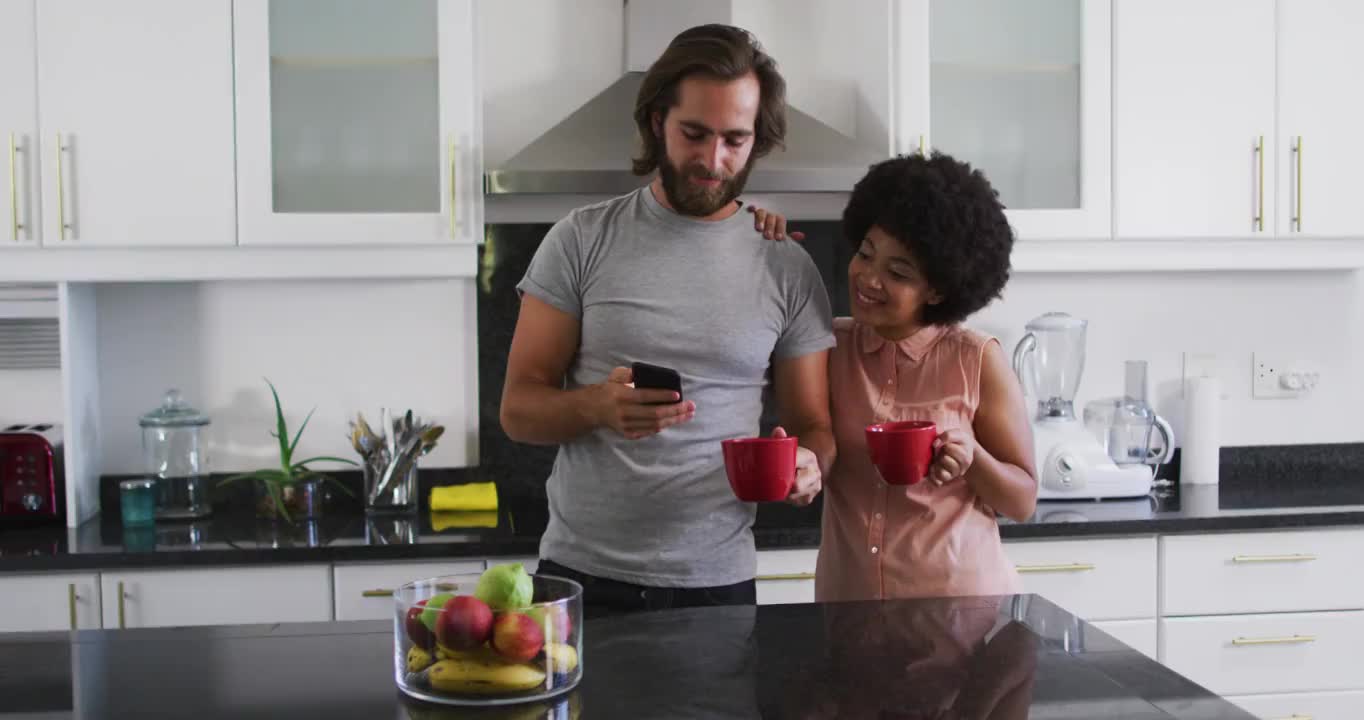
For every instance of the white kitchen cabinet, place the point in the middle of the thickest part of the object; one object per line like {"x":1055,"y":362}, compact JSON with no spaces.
{"x":1022,"y":91}
{"x":136,"y":139}
{"x":1140,"y":635}
{"x":49,"y":601}
{"x":1320,"y":146}
{"x":358,"y":122}
{"x":1287,"y":652}
{"x":1193,"y":114}
{"x":786,"y":576}
{"x":216,"y":596}
{"x":1303,"y":706}
{"x":364,"y":591}
{"x":18,"y":124}
{"x":1098,"y":579}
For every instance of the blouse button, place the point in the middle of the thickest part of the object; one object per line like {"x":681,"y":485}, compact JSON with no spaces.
{"x":875,"y":549}
{"x":878,"y":516}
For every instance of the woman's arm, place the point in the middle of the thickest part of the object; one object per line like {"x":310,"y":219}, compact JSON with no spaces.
{"x":1003,"y":471}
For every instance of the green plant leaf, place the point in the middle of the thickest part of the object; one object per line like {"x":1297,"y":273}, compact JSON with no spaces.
{"x":298,"y":436}
{"x":281,"y":429}
{"x":277,"y":496}
{"x":328,"y":458}
{"x":337,"y":484}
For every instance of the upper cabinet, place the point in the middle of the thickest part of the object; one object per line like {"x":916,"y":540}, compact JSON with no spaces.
{"x":358,"y":122}
{"x":1232,"y":121}
{"x":135,"y":101}
{"x":1020,"y":91}
{"x":18,"y":124}
{"x":1321,"y":146}
{"x":1196,"y":147}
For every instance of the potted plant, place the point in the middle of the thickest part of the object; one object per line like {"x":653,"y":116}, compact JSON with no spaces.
{"x":292,"y":489}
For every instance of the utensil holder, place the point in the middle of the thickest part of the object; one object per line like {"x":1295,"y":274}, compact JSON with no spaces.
{"x":399,"y":496}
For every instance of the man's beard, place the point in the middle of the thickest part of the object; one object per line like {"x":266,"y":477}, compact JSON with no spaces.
{"x":688,"y":198}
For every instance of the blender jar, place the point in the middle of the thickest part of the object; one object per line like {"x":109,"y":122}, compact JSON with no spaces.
{"x":173,"y":451}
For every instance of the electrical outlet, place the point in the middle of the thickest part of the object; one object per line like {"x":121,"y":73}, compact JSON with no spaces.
{"x":1276,"y":378}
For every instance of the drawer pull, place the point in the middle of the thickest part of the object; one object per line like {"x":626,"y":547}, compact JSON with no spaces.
{"x":71,"y":598}
{"x":388,"y":592}
{"x":1286,"y":640}
{"x":1070,"y":568}
{"x":377,"y":593}
{"x":787,"y":576}
{"x":1253,"y":559}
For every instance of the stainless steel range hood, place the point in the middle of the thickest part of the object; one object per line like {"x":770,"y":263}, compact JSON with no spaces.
{"x":589,"y":152}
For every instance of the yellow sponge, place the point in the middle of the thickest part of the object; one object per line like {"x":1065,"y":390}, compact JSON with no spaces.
{"x":469,"y":496}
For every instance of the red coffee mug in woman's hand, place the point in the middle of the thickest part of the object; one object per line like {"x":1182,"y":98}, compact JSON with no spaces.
{"x":902,"y":451}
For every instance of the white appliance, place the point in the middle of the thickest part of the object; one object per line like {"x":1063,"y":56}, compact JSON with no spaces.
{"x":1071,"y":463}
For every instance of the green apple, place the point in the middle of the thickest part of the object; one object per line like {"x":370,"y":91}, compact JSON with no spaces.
{"x":433,"y":608}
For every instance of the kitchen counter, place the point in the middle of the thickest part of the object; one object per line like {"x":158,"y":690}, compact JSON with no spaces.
{"x":514,"y":530}
{"x":1007,"y":658}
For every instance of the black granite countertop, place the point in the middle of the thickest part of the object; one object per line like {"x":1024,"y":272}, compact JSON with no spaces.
{"x":1006,"y":658}
{"x":1270,"y":493}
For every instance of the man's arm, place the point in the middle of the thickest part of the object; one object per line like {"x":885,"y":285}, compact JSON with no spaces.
{"x":536,"y":408}
{"x":802,"y":393}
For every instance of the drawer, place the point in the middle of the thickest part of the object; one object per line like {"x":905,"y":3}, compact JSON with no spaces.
{"x":1304,"y":706}
{"x":786,"y":576}
{"x":1291,"y":652}
{"x":1290,"y":571}
{"x":364,"y":591}
{"x":1140,"y":635}
{"x":1110,"y":579}
{"x":216,"y":596}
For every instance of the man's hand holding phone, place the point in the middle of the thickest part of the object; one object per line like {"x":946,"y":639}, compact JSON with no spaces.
{"x":637,"y":412}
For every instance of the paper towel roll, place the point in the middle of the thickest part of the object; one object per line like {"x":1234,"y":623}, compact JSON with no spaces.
{"x":1201,"y":449}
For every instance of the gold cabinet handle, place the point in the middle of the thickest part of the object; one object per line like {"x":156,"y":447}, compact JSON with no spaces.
{"x":923,"y":146}
{"x":62,"y":225}
{"x":1297,"y":206}
{"x":454,"y":196}
{"x":14,"y":225}
{"x":786,"y":576}
{"x":1261,"y":559}
{"x":1070,"y":568}
{"x":71,"y":602}
{"x":378,"y":592}
{"x":122,"y":618}
{"x":1285,"y":640}
{"x":1259,"y":218}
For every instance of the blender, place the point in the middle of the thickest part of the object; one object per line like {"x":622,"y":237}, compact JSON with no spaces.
{"x":1071,"y":463}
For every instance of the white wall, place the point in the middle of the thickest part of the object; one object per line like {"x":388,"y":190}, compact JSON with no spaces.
{"x":1298,"y":315}
{"x":341,"y":347}
{"x":28,"y":396}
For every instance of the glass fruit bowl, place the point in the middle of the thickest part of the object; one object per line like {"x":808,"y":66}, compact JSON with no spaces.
{"x":498,"y":638}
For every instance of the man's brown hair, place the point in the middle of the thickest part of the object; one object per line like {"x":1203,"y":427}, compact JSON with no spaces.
{"x":722,"y":52}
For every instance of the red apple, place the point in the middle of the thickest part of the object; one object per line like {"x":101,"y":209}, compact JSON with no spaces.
{"x":464,"y":623}
{"x":516,"y":636}
{"x":416,"y":630}
{"x":554,"y":620}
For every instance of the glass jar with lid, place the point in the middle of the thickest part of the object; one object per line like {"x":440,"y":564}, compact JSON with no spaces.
{"x":174,"y":452}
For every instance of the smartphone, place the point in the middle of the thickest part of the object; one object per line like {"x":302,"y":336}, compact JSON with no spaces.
{"x":656,"y":377}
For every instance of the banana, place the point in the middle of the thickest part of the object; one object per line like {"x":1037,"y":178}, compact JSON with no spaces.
{"x":484,"y":676}
{"x":418,"y":659}
{"x":562,"y":658}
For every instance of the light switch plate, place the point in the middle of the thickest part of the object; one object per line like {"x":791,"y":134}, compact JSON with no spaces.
{"x":1275,"y":377}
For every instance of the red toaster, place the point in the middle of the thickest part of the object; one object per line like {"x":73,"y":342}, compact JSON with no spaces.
{"x":32,"y":477}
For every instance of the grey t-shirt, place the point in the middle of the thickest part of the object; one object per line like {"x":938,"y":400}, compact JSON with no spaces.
{"x":715,"y":301}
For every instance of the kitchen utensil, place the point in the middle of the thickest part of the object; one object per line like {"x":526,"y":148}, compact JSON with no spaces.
{"x":1128,"y":427}
{"x":1071,"y":463}
{"x":174,"y":454}
{"x":902,"y":451}
{"x":761,"y":469}
{"x":390,"y":460}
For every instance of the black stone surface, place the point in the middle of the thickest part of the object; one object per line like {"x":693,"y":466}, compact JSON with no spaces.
{"x":346,"y":534}
{"x":1005,"y":658}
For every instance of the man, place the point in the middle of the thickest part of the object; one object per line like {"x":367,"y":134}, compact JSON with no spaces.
{"x":672,"y":274}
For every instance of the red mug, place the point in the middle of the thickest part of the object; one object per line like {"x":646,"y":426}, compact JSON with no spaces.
{"x":902,"y":451}
{"x":761,"y":469}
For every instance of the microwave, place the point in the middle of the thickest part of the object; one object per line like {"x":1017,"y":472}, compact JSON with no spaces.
{"x":32,"y":475}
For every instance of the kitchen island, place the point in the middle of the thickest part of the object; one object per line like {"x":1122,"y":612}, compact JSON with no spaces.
{"x":1001,"y":658}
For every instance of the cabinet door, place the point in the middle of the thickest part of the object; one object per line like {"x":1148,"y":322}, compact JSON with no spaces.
{"x":226,"y":596}
{"x":1194,"y":118}
{"x":1103,"y":579}
{"x":1320,"y":144}
{"x":365,"y":591}
{"x":49,"y":601}
{"x":1140,"y":635}
{"x":1022,"y":92}
{"x":18,"y":124}
{"x":357,"y":122}
{"x":1304,"y":706}
{"x":136,"y":105}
